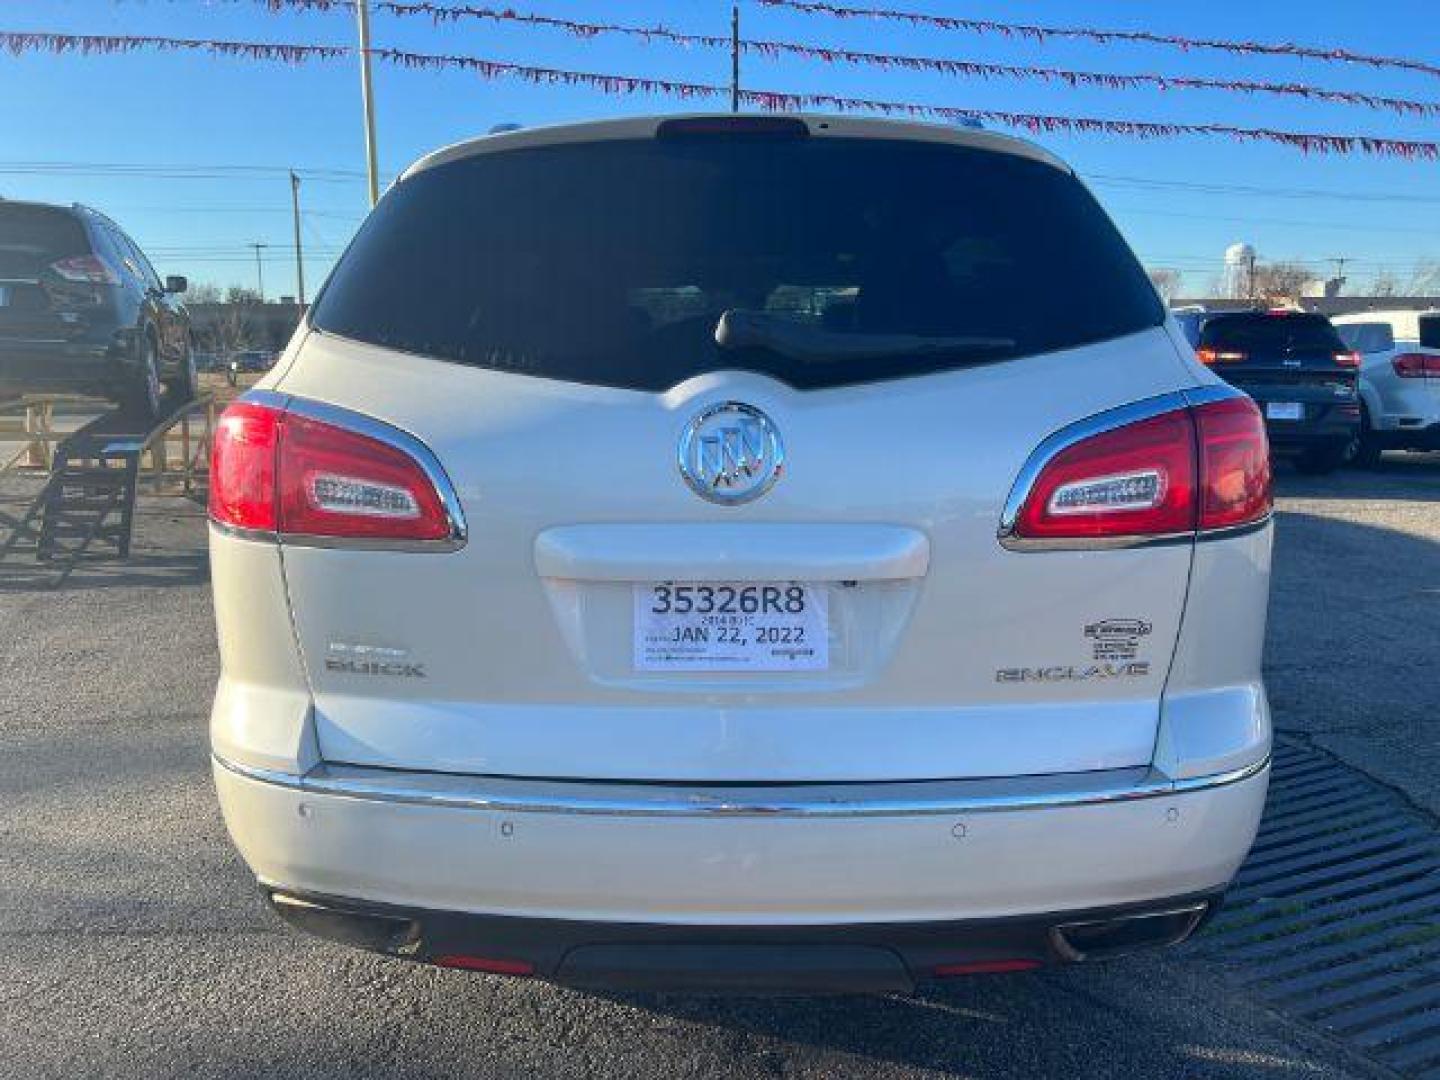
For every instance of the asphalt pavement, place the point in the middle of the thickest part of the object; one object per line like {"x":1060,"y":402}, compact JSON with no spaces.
{"x":133,"y":943}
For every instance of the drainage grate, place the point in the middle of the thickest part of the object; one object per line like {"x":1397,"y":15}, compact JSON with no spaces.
{"x":1335,"y":918}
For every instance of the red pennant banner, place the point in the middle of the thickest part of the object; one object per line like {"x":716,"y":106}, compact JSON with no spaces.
{"x":18,"y":43}
{"x":100,"y":44}
{"x":1107,"y":37}
{"x":772,"y":49}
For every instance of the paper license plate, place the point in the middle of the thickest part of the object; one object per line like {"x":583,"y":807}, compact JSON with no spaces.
{"x":732,"y":626}
{"x":1284,"y":410}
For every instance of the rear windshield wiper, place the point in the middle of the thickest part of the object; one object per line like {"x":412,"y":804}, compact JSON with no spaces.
{"x":739,"y":328}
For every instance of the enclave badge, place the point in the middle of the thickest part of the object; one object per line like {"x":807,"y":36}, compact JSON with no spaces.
{"x":731,"y":453}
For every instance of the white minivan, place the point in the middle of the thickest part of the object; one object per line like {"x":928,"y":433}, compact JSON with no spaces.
{"x":741,"y":553}
{"x":1399,"y":379}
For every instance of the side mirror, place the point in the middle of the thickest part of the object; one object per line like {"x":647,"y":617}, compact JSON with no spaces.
{"x":176,"y":284}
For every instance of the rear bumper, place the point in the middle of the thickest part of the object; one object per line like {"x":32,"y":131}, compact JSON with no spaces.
{"x":753,"y":856}
{"x":61,"y":367}
{"x":858,"y":957}
{"x":1425,"y":437}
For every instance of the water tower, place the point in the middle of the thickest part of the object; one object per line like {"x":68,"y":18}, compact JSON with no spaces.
{"x":1239,"y":271}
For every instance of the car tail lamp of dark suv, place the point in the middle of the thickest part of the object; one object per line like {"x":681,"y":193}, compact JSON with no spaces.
{"x":1191,"y":469}
{"x":276,"y":471}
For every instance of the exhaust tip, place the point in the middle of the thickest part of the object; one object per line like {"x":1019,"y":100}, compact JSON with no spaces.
{"x":363,"y":930}
{"x":1107,"y":938}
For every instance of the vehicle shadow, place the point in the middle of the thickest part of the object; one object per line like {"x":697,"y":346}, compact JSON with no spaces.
{"x":1400,"y":476}
{"x":1354,"y":618}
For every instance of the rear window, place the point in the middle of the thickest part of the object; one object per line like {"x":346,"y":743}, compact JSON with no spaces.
{"x":613,"y":262}
{"x":1270,"y":333}
{"x":33,"y":237}
{"x":1367,"y":337}
{"x":1430,"y":331}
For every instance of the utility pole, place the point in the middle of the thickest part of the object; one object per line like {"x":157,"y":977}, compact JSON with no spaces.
{"x":1340,"y":262}
{"x":1250,"y":276}
{"x":299,"y":252}
{"x":259,"y":267}
{"x":367,"y":96}
{"x":735,"y":57}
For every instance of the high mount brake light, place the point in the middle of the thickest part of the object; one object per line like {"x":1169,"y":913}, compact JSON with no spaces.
{"x":1193,"y":468}
{"x":1417,"y":365}
{"x":769,"y":127}
{"x":283,"y":472}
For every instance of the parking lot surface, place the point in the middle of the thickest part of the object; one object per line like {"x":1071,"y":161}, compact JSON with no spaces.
{"x":133,"y":943}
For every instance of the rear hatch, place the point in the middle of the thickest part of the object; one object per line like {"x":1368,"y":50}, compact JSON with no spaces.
{"x":1289,"y":361}
{"x":51,"y":283}
{"x":545,"y":319}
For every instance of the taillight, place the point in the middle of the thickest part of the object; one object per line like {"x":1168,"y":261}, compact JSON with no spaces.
{"x":1207,"y":355}
{"x":1234,"y":463}
{"x":1189,"y":468}
{"x":1348,"y":359}
{"x":294,"y":474}
{"x":242,"y":467}
{"x":1136,"y":480}
{"x":89,"y":269}
{"x":1417,"y":365}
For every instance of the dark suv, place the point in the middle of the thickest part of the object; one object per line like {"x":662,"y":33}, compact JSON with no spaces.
{"x":82,"y":311}
{"x":1304,"y":378}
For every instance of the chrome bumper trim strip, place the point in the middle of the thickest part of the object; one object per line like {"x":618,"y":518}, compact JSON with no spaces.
{"x":825,"y":800}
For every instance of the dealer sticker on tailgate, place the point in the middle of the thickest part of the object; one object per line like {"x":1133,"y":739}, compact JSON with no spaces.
{"x":732,"y":626}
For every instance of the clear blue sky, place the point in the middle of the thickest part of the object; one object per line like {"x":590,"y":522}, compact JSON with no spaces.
{"x":171,"y":110}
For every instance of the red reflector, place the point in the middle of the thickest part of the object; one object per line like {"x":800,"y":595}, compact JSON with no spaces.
{"x":1137,"y":480}
{"x":487,"y":964}
{"x":282,"y":472}
{"x":1417,"y":365}
{"x":984,"y":967}
{"x":1234,"y":463}
{"x":242,"y":467}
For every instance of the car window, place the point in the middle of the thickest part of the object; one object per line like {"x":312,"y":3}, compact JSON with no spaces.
{"x":1430,"y":331}
{"x":146,"y":271}
{"x":612,"y":262}
{"x":1265,"y":332}
{"x":34,"y":237}
{"x":1367,"y":337}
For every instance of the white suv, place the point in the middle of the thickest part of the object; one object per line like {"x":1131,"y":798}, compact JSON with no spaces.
{"x":1399,"y":379}
{"x":741,"y":552}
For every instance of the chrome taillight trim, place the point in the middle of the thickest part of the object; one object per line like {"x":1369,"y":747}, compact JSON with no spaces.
{"x":394,"y":437}
{"x":1099,"y":424}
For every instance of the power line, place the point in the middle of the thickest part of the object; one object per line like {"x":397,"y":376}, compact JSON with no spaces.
{"x":770,"y":100}
{"x":1033,"y":32}
{"x":953,"y":66}
{"x":1200,"y":187}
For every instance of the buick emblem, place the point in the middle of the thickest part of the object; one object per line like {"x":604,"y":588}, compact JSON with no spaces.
{"x":731,"y":453}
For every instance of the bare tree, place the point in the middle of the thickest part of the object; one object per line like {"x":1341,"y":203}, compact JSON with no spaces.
{"x":234,"y":331}
{"x":1165,"y":280}
{"x":239,"y":294}
{"x":203,"y":294}
{"x":1280,"y":281}
{"x":1384,"y":284}
{"x":1426,"y":279}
